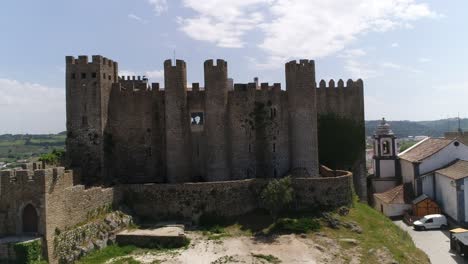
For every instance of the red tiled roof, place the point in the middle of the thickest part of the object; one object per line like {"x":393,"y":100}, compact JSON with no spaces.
{"x":394,"y":196}
{"x":425,"y":149}
{"x":456,"y":171}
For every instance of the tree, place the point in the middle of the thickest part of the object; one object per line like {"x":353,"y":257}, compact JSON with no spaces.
{"x":276,"y":195}
{"x":53,"y":158}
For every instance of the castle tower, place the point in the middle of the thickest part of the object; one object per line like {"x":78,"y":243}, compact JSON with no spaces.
{"x":300,"y":85}
{"x":216,"y":92}
{"x":178,"y":150}
{"x":88,"y":87}
{"x":385,"y":159}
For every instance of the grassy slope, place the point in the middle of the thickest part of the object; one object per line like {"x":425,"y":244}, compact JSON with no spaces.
{"x":379,"y":231}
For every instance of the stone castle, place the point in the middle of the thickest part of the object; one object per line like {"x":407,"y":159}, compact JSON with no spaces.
{"x":177,"y":153}
{"x":124,"y":130}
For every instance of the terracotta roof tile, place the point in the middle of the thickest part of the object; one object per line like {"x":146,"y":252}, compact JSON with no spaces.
{"x":458,"y":170}
{"x":425,"y":149}
{"x":394,"y":196}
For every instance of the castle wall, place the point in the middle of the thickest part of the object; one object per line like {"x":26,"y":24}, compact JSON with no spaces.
{"x":58,"y":203}
{"x":247,"y":132}
{"x":158,"y":130}
{"x":17,"y":190}
{"x":300,"y":85}
{"x":216,"y":93}
{"x":88,"y":86}
{"x":229,"y":198}
{"x":128,"y":142}
{"x":196,"y":103}
{"x":241,"y":132}
{"x":68,"y":205}
{"x":178,"y":144}
{"x":346,"y":100}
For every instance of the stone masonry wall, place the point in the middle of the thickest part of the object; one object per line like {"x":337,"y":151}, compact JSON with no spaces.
{"x":346,"y":100}
{"x":128,"y":138}
{"x":68,"y":205}
{"x":229,"y":198}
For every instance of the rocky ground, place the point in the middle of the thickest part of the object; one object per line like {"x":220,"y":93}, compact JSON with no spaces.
{"x":311,"y":248}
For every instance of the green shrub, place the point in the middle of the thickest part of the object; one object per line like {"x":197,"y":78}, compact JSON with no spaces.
{"x":276,"y":195}
{"x":267,"y":258}
{"x":297,"y":226}
{"x":53,"y":158}
{"x":29,"y":252}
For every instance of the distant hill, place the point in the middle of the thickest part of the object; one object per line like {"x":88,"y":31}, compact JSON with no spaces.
{"x":405,"y":128}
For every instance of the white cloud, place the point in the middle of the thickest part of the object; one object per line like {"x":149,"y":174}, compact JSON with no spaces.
{"x":137,"y":18}
{"x":156,"y":75}
{"x":424,"y":60}
{"x":352,"y":53}
{"x":159,"y":6}
{"x":297,"y":28}
{"x":223,"y":23}
{"x":31,"y":108}
{"x":355,"y":66}
{"x":359,"y":69}
{"x":399,"y":67}
{"x":395,"y":45}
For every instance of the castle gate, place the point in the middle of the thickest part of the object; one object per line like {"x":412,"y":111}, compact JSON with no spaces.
{"x":30,"y":219}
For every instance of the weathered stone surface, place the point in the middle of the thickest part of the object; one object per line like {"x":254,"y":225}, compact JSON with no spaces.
{"x":74,"y":243}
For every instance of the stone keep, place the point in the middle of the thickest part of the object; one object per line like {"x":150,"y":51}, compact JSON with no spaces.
{"x":125,"y":130}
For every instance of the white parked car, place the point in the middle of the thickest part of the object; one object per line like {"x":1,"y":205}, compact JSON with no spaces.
{"x":433,"y":221}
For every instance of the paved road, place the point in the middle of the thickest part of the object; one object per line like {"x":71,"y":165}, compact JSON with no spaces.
{"x":435,"y":243}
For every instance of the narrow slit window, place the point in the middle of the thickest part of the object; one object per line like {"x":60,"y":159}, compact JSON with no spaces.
{"x":93,"y":75}
{"x":274,"y":147}
{"x":73,"y":76}
{"x":250,"y":148}
{"x":83,"y":75}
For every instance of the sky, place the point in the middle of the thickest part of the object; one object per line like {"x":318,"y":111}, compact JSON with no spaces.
{"x":412,"y":55}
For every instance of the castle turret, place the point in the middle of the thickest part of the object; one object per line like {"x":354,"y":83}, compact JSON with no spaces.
{"x":178,"y":150}
{"x":216,"y":92}
{"x":88,"y":87}
{"x":300,"y":85}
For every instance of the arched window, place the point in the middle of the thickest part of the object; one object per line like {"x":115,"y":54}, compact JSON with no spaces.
{"x":30,"y":219}
{"x":386,"y":148}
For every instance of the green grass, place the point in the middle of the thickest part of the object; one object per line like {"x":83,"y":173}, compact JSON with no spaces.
{"x":292,"y":225}
{"x":268,"y":258}
{"x":126,"y":260}
{"x":30,"y":147}
{"x":378,"y":231}
{"x":110,"y":252}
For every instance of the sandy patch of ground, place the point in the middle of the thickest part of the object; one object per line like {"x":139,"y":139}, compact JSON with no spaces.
{"x":291,"y":249}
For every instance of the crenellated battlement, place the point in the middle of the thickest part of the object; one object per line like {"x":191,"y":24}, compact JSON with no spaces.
{"x":341,"y":84}
{"x":244,"y":87}
{"x":220,"y":65}
{"x":302,"y":65}
{"x":276,"y":87}
{"x":133,"y":83}
{"x":180,"y":64}
{"x":96,"y":60}
{"x":16,"y":180}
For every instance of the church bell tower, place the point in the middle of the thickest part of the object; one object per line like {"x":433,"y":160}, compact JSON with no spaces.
{"x":385,"y":159}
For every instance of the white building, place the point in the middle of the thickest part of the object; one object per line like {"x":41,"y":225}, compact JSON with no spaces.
{"x":427,"y":156}
{"x":436,"y":167}
{"x":392,"y":202}
{"x":447,"y":187}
